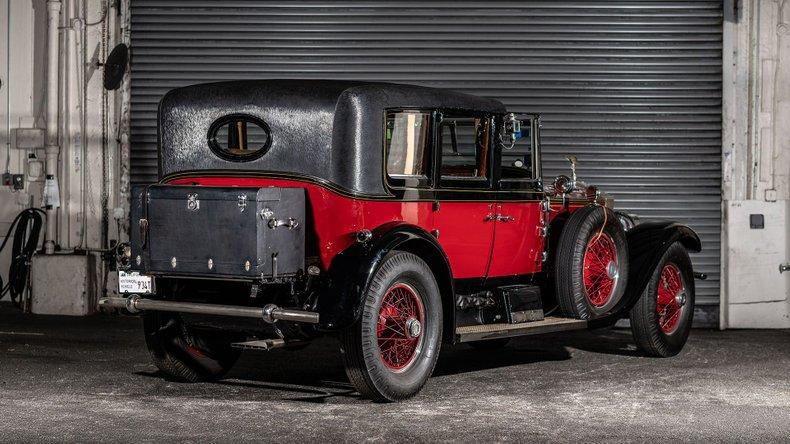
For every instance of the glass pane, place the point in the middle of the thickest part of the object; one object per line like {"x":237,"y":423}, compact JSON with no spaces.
{"x":406,"y":140}
{"x":239,"y":137}
{"x":465,"y":146}
{"x":517,"y":161}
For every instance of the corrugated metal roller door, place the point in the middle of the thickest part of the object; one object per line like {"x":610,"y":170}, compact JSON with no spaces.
{"x":632,"y":88}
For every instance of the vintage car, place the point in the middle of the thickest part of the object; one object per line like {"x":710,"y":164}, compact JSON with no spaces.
{"x":397,"y":217}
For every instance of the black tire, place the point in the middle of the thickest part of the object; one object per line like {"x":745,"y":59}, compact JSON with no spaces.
{"x":364,"y":361}
{"x":646,"y":322}
{"x":184,"y":354}
{"x":491,"y":344}
{"x":584,"y":225}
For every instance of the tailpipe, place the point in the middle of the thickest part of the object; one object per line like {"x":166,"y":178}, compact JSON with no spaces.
{"x":269,"y":313}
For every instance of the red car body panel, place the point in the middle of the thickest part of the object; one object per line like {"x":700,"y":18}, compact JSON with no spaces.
{"x":518,"y":243}
{"x":476,"y":244}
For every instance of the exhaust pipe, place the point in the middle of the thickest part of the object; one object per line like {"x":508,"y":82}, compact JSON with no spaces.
{"x":269,"y":313}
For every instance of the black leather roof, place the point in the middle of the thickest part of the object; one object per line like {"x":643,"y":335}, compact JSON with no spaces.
{"x":331,"y":130}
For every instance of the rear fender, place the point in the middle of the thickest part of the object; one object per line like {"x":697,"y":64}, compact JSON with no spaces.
{"x":340,"y":303}
{"x":647,"y":243}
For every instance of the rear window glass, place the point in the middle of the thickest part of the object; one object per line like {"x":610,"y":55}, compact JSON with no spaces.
{"x":239,"y":137}
{"x":406,"y":141}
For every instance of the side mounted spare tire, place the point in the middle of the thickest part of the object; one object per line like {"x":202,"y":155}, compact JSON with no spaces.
{"x":591,"y":268}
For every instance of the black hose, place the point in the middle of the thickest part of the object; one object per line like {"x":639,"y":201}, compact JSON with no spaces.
{"x":28,"y":225}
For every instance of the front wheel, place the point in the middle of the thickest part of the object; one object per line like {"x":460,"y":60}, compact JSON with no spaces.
{"x":661,"y":319}
{"x":390,"y":352}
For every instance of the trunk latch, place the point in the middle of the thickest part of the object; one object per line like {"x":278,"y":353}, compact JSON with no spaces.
{"x":193,"y":203}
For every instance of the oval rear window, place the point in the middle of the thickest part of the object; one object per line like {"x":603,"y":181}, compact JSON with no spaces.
{"x":239,"y":137}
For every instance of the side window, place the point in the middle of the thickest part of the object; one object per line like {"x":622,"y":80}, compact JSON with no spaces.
{"x":465,"y":149}
{"x":517,"y":154}
{"x":406,"y":138}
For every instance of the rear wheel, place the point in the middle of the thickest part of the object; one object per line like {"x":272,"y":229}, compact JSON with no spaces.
{"x":391,"y":351}
{"x":186,"y":354}
{"x":661,"y":319}
{"x":591,"y":263}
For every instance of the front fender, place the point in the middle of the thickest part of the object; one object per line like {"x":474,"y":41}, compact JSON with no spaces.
{"x":340,"y":303}
{"x":647,"y":243}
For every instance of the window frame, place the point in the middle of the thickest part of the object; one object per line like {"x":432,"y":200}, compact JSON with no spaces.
{"x":464,"y":183}
{"x":405,"y":181}
{"x":226,"y":119}
{"x":521,"y":183}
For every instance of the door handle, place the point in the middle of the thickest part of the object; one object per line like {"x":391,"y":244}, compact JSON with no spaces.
{"x":783,"y":268}
{"x":499,"y":217}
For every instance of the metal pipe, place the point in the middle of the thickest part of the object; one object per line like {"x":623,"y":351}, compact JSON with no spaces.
{"x":8,"y":89}
{"x":269,"y":313}
{"x":52,"y":150}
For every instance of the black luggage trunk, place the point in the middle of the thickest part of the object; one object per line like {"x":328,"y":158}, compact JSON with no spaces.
{"x":219,"y":232}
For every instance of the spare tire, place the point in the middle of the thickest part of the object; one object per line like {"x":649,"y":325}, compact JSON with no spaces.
{"x":591,"y":263}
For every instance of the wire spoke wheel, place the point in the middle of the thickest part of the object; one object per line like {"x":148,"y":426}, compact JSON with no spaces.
{"x":671,"y":298}
{"x":600,"y":269}
{"x":391,"y":351}
{"x":661,"y":319}
{"x":399,"y":328}
{"x":591,"y":263}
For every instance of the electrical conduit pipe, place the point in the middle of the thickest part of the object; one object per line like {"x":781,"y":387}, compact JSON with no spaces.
{"x":52,"y":149}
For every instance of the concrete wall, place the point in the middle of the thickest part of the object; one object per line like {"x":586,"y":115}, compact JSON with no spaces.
{"x":23,"y":87}
{"x":90,"y":134}
{"x":756,"y":164}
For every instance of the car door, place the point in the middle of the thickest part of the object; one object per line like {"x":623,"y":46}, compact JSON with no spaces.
{"x":464,"y":208}
{"x":519,"y":232}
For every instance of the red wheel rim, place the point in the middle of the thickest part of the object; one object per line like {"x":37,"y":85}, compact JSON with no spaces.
{"x":600,"y":269}
{"x":671,"y":298}
{"x":400,"y":326}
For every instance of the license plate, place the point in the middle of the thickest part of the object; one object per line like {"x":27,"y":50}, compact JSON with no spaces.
{"x":134,"y":282}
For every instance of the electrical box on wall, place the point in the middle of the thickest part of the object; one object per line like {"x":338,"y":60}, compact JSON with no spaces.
{"x":27,"y":138}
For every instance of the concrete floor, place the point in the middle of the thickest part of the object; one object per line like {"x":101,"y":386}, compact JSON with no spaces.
{"x":89,"y":379}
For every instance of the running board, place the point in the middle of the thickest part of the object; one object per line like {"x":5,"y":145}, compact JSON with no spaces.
{"x":473,"y":333}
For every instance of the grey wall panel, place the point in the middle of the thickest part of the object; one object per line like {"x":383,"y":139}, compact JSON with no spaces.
{"x":632,"y":88}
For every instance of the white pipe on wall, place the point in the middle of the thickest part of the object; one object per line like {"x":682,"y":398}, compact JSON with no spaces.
{"x":8,"y":88}
{"x":52,"y":149}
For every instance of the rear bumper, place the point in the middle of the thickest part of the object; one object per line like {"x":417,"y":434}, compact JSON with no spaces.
{"x":269,"y":313}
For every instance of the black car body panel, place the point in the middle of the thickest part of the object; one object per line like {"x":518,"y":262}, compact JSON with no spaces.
{"x":319,"y":128}
{"x":219,"y":232}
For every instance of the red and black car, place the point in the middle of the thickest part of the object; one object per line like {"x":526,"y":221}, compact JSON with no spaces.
{"x":397,"y":217}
